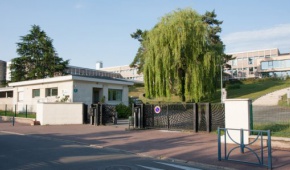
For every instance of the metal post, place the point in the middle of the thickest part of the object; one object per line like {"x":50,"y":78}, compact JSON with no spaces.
{"x":219,"y":144}
{"x":26,"y":111}
{"x":225,"y":139}
{"x":101,"y":114}
{"x":269,"y":150}
{"x":221,"y":83}
{"x":95,"y":116}
{"x":142,"y":116}
{"x":242,"y":141}
{"x":5,"y":109}
{"x":15,"y":111}
{"x":13,"y":120}
{"x":168,"y":121}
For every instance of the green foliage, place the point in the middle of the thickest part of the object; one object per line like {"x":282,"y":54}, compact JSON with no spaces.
{"x":182,"y":55}
{"x":38,"y":58}
{"x":123,"y":110}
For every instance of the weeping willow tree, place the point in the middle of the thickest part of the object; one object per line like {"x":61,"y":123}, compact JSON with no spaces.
{"x":182,"y":57}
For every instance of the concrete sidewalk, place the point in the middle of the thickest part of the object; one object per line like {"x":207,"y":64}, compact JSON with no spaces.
{"x":193,"y":148}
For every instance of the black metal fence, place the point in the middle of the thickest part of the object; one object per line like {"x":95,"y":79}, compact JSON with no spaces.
{"x":18,"y":110}
{"x":190,"y":116}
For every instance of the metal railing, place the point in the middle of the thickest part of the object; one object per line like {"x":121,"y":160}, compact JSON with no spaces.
{"x":253,"y":151}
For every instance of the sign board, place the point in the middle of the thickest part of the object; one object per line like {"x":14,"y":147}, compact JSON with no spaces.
{"x":157,"y":109}
{"x":75,"y":90}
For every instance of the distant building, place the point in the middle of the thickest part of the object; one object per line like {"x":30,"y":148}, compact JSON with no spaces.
{"x":2,"y":71}
{"x":126,"y":71}
{"x":80,"y":71}
{"x":259,"y":63}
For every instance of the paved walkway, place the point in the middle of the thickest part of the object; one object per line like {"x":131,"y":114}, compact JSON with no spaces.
{"x":199,"y":149}
{"x":271,"y":99}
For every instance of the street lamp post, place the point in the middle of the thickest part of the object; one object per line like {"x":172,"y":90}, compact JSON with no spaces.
{"x":221,"y":83}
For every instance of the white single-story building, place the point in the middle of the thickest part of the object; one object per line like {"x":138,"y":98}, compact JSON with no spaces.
{"x":88,"y":90}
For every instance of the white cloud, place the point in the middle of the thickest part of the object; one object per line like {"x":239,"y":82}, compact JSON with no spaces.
{"x":275,"y":37}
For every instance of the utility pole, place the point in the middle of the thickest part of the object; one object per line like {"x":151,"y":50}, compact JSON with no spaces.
{"x":221,"y":83}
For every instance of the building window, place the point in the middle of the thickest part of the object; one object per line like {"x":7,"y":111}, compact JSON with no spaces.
{"x":35,"y":93}
{"x":251,"y":70}
{"x":51,"y":92}
{"x":9,"y":94}
{"x":2,"y":94}
{"x":234,"y":62}
{"x":115,"y":95}
{"x":20,"y":96}
{"x":250,"y":60}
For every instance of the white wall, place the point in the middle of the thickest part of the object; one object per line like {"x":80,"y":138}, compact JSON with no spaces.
{"x":64,"y":88}
{"x":59,"y":113}
{"x":237,"y":116}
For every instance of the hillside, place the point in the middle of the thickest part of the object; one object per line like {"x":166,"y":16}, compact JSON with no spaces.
{"x":251,"y":88}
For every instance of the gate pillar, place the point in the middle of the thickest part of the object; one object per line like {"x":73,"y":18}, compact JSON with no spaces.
{"x":237,"y":116}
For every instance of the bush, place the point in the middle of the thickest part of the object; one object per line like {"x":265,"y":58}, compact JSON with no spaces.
{"x":123,"y":111}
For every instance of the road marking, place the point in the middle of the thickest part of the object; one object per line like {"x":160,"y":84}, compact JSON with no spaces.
{"x":178,"y":166}
{"x":151,"y":168}
{"x":14,"y":133}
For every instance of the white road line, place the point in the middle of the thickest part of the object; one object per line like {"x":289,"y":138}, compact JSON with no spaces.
{"x":178,"y":166}
{"x":151,"y":168}
{"x":14,"y":133}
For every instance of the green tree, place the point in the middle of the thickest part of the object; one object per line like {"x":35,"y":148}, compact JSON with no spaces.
{"x":182,"y":55}
{"x":38,"y":58}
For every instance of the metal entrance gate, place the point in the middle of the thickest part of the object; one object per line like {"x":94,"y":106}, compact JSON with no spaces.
{"x":189,"y":116}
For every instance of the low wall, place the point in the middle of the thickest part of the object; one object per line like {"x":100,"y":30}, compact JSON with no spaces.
{"x":18,"y":119}
{"x":59,"y":113}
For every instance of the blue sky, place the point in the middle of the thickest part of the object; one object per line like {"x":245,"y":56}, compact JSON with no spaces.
{"x":86,"y":31}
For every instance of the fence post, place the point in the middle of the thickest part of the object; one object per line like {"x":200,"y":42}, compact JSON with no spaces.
{"x":219,"y":144}
{"x":168,"y":121}
{"x":195,"y":117}
{"x":15,"y":111}
{"x":269,"y":150}
{"x":208,"y":117}
{"x":26,"y":111}
{"x":242,"y":141}
{"x":141,"y":116}
{"x":251,"y":118}
{"x":101,"y":114}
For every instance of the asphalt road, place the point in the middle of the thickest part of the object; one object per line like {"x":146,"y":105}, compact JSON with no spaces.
{"x":19,"y":151}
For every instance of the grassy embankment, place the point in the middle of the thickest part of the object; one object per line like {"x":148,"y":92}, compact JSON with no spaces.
{"x":252,"y":89}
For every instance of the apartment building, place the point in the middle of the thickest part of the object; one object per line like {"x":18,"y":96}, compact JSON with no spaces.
{"x":2,"y":71}
{"x":259,"y":63}
{"x":126,"y":71}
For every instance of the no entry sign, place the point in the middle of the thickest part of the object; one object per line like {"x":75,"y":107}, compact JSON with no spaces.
{"x":157,"y":109}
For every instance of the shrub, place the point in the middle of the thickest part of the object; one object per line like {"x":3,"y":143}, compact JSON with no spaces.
{"x":123,"y":111}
